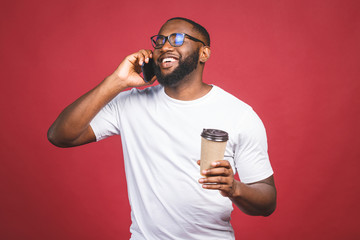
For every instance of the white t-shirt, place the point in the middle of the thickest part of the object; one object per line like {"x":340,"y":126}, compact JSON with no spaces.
{"x":161,"y":144}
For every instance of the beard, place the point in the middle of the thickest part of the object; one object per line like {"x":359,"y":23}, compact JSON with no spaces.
{"x":185,"y":67}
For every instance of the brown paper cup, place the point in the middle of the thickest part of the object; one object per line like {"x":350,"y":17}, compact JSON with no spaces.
{"x":213,"y":145}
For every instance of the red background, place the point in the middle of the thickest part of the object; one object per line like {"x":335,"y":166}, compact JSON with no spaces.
{"x":296,"y":62}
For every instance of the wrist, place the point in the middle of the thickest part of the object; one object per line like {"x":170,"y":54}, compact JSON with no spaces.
{"x":114,"y":83}
{"x":237,"y":192}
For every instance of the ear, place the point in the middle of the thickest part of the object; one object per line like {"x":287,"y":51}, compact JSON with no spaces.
{"x":205,"y":54}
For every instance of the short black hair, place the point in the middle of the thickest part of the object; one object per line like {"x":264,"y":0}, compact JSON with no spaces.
{"x":197,"y":27}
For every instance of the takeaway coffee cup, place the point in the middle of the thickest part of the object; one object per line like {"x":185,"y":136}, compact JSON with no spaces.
{"x":213,"y":145}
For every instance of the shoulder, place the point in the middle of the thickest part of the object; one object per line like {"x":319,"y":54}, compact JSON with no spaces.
{"x":136,"y":94}
{"x":231,"y":101}
{"x":245,"y":117}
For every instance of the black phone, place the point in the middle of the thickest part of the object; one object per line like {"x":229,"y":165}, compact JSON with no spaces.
{"x":148,"y":70}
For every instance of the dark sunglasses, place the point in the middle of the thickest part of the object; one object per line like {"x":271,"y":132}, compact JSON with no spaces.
{"x":175,"y":40}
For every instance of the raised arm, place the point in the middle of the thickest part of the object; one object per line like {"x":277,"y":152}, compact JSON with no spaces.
{"x":72,"y":127}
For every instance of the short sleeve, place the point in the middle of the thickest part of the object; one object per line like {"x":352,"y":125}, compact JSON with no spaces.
{"x":106,"y":122}
{"x":251,"y":156}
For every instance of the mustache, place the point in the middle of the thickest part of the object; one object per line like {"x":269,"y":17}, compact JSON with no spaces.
{"x":168,"y":55}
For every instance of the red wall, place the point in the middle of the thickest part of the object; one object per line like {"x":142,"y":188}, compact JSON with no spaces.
{"x":295,"y":62}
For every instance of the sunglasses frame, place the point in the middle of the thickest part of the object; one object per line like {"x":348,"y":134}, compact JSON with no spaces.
{"x":166,"y":38}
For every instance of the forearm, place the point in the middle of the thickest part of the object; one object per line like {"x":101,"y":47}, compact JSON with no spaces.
{"x":258,"y":199}
{"x":74,"y":120}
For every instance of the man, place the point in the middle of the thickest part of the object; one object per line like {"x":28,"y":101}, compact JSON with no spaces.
{"x":160,"y":128}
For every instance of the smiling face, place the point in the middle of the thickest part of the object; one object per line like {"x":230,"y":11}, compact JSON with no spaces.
{"x":173,"y":64}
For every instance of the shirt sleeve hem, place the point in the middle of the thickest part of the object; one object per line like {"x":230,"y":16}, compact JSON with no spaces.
{"x":95,"y":130}
{"x":257,"y":178}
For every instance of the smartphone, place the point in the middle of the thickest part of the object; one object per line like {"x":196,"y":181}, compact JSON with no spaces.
{"x":148,"y":70}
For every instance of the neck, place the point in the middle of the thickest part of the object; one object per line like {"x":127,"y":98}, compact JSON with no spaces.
{"x":190,"y":88}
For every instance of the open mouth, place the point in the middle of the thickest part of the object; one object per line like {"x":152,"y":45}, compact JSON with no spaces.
{"x":168,"y":62}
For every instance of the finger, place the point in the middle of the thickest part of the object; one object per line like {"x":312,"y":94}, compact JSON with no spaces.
{"x":211,"y":186}
{"x":223,"y":188}
{"x":216,"y":180}
{"x":144,"y":56}
{"x":198,"y":162}
{"x":221,"y":163}
{"x":218,"y":171}
{"x":141,"y":57}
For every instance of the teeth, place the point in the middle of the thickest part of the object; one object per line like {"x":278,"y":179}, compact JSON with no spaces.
{"x":168,"y":60}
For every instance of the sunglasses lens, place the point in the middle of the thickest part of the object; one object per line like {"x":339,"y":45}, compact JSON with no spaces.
{"x":176,"y":39}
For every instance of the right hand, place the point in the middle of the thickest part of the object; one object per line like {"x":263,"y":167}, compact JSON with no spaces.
{"x":128,"y":72}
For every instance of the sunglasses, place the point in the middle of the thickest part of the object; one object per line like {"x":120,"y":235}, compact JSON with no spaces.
{"x":175,"y":40}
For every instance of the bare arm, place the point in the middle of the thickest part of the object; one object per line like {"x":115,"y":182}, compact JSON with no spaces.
{"x":72,"y":127}
{"x":257,"y":199}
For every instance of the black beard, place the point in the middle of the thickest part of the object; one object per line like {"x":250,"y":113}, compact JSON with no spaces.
{"x":185,"y":67}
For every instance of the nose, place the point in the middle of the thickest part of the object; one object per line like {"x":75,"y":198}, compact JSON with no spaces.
{"x":166,"y":47}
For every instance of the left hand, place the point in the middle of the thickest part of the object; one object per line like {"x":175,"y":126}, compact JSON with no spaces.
{"x":220,"y":177}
